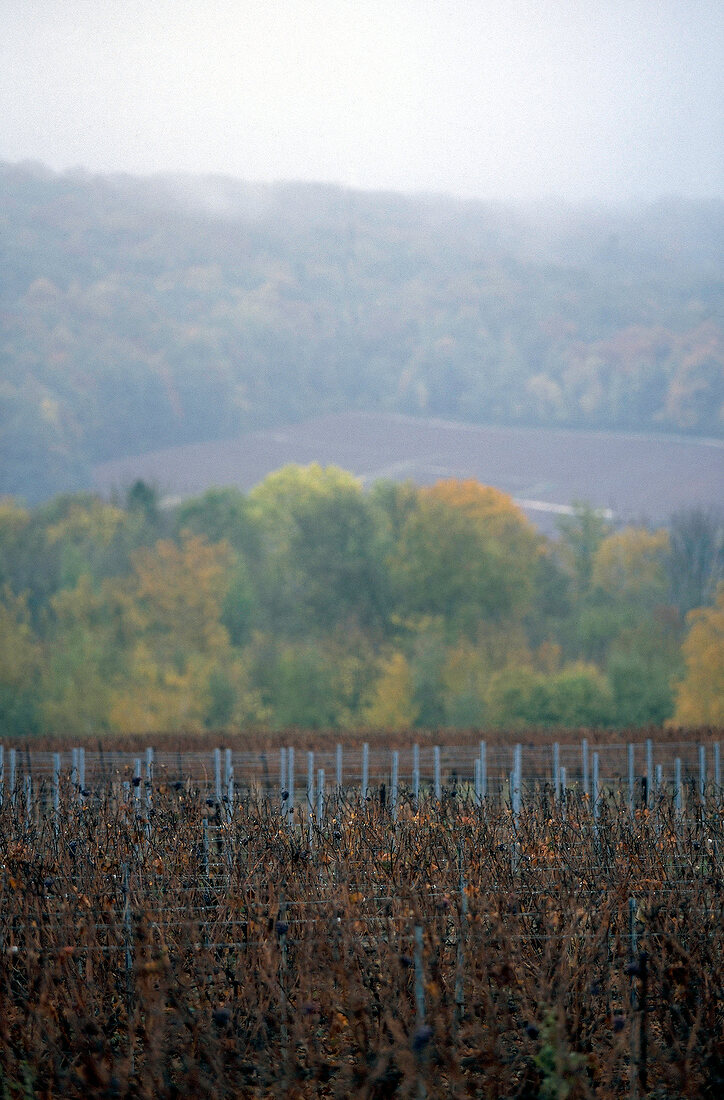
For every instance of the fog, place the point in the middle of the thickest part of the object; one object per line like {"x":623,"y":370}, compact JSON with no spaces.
{"x":493,"y":99}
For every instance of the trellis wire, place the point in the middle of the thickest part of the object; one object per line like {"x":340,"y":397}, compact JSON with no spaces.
{"x":416,"y":774}
{"x":228,"y":932}
{"x":205,"y":848}
{"x":575,"y":936}
{"x":631,"y":779}
{"x":320,"y":797}
{"x":365,"y":769}
{"x":148,"y":786}
{"x":702,"y":773}
{"x":393,"y":784}
{"x":649,"y":773}
{"x":89,"y":771}
{"x":229,"y":782}
{"x":437,"y":773}
{"x":56,"y":786}
{"x":290,"y":783}
{"x":310,"y":782}
{"x":557,"y":771}
{"x":217,"y":775}
{"x":516,"y":792}
{"x":419,"y":978}
{"x":137,"y":785}
{"x":13,"y":780}
{"x":420,"y":1009}
{"x":353,"y":920}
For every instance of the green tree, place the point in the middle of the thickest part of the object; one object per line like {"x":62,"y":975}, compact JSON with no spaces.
{"x":20,"y":667}
{"x":465,"y":554}
{"x":581,"y":534}
{"x":83,"y":660}
{"x":322,"y":565}
{"x":83,"y":536}
{"x":517,"y":697}
{"x":696,"y":559}
{"x":305,"y":693}
{"x":579,"y":695}
{"x":14,"y":522}
{"x":465,"y":677}
{"x":220,"y":515}
{"x":576,"y":696}
{"x":427,"y":664}
{"x":301,"y":688}
{"x":143,"y":499}
{"x":642,"y":689}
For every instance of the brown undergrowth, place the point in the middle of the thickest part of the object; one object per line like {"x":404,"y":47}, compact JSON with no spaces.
{"x":180,"y":949}
{"x":259,"y":740}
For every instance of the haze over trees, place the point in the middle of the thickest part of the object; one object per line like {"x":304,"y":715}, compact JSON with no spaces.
{"x":136,"y":314}
{"x":313,"y":602}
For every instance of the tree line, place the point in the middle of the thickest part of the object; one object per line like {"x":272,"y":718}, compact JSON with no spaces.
{"x":314,"y":602}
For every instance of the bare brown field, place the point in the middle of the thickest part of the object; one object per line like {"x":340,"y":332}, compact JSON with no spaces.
{"x":266,"y":740}
{"x":636,"y":476}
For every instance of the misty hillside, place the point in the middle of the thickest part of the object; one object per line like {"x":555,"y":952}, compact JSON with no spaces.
{"x":137,"y":314}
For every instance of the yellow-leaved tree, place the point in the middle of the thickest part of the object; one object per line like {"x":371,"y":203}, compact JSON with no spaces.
{"x":700,"y":695}
{"x":392,"y":705}
{"x":630,"y":565}
{"x":182,"y":671}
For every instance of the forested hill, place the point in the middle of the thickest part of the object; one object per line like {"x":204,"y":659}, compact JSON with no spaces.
{"x":142,"y":313}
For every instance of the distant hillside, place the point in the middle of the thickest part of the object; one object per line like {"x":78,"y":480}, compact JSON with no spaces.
{"x":143,"y":314}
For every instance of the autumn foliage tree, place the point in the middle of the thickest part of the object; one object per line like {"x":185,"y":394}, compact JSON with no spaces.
{"x":466,"y":553}
{"x":700,"y":695}
{"x":178,"y":647}
{"x":317,"y":602}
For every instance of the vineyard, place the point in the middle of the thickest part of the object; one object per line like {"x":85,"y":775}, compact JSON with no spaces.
{"x":479,"y":920}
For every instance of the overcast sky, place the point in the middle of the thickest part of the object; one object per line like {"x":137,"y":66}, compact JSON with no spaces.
{"x":487,"y":98}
